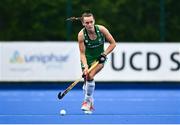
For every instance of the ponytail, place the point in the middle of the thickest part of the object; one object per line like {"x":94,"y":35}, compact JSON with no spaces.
{"x":86,"y":14}
{"x":74,"y":19}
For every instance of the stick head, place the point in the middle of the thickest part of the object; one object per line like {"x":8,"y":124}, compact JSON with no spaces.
{"x":60,"y":96}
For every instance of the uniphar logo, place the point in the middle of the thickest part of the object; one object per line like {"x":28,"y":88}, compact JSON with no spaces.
{"x":16,"y":58}
{"x":38,"y":58}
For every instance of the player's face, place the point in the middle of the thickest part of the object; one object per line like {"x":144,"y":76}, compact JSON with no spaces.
{"x":88,"y":23}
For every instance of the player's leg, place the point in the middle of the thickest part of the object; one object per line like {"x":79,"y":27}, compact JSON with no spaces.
{"x":95,"y":71}
{"x":90,"y":83}
{"x":89,"y":89}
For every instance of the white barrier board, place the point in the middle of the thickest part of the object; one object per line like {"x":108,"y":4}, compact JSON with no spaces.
{"x":60,"y":61}
{"x":40,"y":61}
{"x":143,"y":62}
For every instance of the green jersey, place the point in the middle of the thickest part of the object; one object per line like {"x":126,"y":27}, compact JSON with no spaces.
{"x":93,"y":48}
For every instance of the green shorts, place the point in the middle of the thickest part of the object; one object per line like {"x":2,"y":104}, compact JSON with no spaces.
{"x":82,"y":66}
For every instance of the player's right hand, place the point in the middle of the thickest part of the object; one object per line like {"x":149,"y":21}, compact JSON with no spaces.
{"x":85,"y":72}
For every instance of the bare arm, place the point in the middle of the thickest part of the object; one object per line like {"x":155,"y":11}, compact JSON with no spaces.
{"x":82,"y":50}
{"x":109,"y":38}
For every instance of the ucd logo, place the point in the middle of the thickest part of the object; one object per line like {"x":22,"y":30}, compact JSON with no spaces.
{"x":16,"y":58}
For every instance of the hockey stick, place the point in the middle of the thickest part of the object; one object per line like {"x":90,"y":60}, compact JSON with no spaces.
{"x":61,"y":95}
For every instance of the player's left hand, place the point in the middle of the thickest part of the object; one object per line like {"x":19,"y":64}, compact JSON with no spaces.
{"x":102,"y":58}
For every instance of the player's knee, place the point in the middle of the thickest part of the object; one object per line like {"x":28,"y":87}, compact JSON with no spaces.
{"x":90,"y":77}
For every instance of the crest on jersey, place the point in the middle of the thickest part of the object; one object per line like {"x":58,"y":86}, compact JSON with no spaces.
{"x":86,"y":41}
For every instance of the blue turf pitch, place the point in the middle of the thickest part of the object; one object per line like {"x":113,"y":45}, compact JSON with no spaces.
{"x":131,"y":103}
